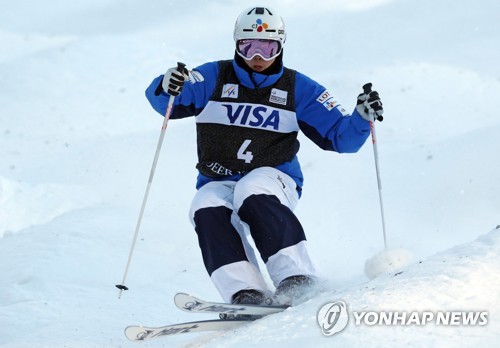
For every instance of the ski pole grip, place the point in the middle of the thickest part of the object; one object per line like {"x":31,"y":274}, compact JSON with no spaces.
{"x":181,"y":67}
{"x":367,"y":88}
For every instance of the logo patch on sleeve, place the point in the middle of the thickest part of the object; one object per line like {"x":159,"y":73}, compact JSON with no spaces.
{"x":195,"y":76}
{"x":230,"y":90}
{"x":278,"y":96}
{"x":329,"y":102}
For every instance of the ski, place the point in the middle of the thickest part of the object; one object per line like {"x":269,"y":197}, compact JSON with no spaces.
{"x":193,"y":304}
{"x":143,"y":333}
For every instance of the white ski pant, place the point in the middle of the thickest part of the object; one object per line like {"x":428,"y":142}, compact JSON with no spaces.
{"x":261,"y":204}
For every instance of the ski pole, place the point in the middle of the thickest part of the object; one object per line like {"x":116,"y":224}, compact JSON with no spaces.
{"x":367,"y":88}
{"x":180,"y":67}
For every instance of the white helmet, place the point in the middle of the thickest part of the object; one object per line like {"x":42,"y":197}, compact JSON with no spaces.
{"x":259,"y":23}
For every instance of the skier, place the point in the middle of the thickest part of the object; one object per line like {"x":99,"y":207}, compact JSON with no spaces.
{"x":248,"y":113}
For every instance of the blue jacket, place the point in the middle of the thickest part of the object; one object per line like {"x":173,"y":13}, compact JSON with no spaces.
{"x":320,"y":117}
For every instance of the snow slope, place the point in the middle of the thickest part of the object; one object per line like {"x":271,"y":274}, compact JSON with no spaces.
{"x":77,"y":139}
{"x":463,"y":278}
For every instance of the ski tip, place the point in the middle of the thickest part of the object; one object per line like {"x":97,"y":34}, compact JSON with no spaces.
{"x":181,"y":295}
{"x":135,"y":333}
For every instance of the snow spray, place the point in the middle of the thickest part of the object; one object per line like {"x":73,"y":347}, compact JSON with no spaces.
{"x":387,"y":261}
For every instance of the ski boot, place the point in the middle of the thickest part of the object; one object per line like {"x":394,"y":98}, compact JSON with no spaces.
{"x":248,"y":297}
{"x":293,"y":290}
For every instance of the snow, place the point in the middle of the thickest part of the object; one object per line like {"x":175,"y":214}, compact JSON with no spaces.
{"x":77,"y":139}
{"x":387,"y":261}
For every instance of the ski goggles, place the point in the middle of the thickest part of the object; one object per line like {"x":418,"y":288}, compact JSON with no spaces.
{"x":267,"y":49}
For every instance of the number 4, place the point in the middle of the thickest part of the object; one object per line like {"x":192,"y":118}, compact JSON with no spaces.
{"x":246,"y":156}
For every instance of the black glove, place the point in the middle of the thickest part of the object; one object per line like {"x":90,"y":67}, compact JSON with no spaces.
{"x":369,"y":105}
{"x":174,"y":79}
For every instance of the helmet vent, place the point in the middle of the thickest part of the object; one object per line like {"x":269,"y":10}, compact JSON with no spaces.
{"x":259,"y":10}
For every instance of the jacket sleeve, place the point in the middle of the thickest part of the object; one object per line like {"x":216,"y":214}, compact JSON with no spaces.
{"x":195,"y":93}
{"x":323,"y":120}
